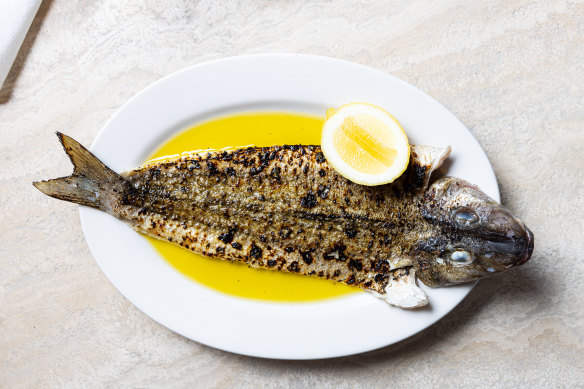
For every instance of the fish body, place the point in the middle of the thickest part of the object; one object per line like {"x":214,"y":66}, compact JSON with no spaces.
{"x":284,"y":208}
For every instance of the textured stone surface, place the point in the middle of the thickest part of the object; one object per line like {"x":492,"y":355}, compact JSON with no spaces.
{"x":512,"y":71}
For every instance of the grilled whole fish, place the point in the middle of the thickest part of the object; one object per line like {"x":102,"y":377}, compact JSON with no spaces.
{"x":285,"y":208}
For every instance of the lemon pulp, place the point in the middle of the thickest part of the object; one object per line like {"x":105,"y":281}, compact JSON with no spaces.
{"x":259,"y":129}
{"x":361,"y":142}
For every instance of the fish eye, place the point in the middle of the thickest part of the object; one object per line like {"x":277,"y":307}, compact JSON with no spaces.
{"x":465,"y":217}
{"x":460,"y":257}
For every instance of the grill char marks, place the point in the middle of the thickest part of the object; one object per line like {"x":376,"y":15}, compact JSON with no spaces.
{"x":279,"y":207}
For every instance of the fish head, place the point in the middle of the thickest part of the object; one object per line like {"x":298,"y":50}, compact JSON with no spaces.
{"x":476,"y":236}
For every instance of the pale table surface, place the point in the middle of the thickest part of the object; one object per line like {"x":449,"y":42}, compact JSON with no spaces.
{"x":512,"y":71}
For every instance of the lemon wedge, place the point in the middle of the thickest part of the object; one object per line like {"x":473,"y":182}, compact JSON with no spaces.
{"x":365,"y":144}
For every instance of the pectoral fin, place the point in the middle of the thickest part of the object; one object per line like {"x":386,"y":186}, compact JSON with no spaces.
{"x":423,"y":161}
{"x":402,"y":290}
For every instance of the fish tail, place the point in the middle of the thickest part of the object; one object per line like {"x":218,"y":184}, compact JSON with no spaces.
{"x":92,"y":183}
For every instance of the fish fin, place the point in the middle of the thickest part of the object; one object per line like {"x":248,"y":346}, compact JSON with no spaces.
{"x":92,"y":183}
{"x":425,"y":160}
{"x":403,"y":291}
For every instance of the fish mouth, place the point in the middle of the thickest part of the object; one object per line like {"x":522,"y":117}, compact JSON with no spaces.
{"x":529,"y":247}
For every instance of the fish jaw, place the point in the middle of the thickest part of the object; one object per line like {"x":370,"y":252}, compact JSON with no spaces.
{"x":530,"y":247}
{"x":478,"y":237}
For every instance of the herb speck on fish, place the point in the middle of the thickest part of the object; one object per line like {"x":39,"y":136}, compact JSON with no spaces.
{"x":306,"y":257}
{"x":293,"y":267}
{"x":255,"y":251}
{"x":308,"y":201}
{"x":212,"y":168}
{"x":323,"y":191}
{"x":226,"y":237}
{"x":275,"y":174}
{"x":285,"y":232}
{"x":256,"y":170}
{"x":350,"y":232}
{"x":337,"y":253}
{"x":355,"y":264}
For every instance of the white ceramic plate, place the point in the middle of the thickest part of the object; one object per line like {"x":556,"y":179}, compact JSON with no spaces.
{"x":301,"y":83}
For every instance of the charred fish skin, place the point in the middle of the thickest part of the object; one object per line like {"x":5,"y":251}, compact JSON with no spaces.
{"x":284,"y":208}
{"x":280,"y":207}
